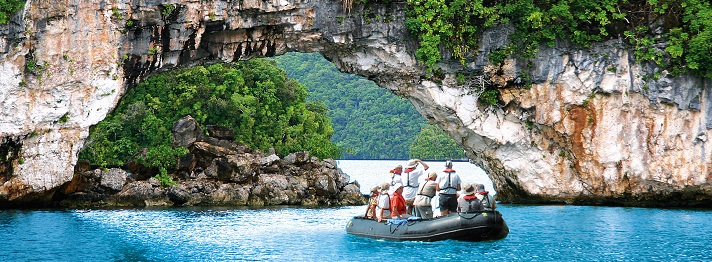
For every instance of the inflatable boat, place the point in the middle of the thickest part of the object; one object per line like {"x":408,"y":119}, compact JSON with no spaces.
{"x":480,"y":226}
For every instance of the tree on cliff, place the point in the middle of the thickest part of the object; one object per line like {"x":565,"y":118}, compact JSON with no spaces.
{"x":255,"y":98}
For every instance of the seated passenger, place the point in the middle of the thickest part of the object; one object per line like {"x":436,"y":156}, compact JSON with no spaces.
{"x":383,"y":208}
{"x":372,"y":203}
{"x":398,"y":209}
{"x":468,"y":202}
{"x":485,"y":197}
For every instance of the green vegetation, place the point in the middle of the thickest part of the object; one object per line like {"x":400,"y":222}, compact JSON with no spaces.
{"x":685,"y":28}
{"x":167,"y":9}
{"x":152,"y":50}
{"x":165,"y":179}
{"x":8,"y":8}
{"x":433,"y":143}
{"x":64,"y":118}
{"x":369,"y":121}
{"x":255,"y":98}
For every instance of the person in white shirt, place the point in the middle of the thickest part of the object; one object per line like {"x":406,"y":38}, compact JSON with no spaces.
{"x":396,"y":175}
{"x":383,"y":209}
{"x":448,"y":185}
{"x":409,"y":179}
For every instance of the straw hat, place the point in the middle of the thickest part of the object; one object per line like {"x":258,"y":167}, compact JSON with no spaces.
{"x":384,"y":187}
{"x":412,"y":164}
{"x":468,"y":189}
{"x":375,"y":189}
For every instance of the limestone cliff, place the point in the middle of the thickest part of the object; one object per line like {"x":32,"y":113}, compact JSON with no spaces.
{"x":591,"y":129}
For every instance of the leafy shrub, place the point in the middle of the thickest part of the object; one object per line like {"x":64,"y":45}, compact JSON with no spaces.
{"x":9,"y":8}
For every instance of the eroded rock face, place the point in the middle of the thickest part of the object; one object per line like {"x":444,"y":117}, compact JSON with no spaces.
{"x":592,"y":128}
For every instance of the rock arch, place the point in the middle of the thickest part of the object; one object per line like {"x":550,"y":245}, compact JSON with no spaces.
{"x":581,"y":133}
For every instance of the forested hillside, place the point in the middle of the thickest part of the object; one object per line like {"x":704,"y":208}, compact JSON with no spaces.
{"x":369,"y":122}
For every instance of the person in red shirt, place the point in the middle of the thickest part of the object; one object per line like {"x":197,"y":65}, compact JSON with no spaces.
{"x":398,"y":209}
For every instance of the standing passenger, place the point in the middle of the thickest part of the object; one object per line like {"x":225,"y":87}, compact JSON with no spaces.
{"x":485,"y":197}
{"x":468,"y":202}
{"x":448,"y":185}
{"x":410,"y":181}
{"x":426,"y":192}
{"x":396,"y":175}
{"x":383,"y":209}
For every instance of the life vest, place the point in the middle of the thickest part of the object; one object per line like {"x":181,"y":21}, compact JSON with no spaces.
{"x":473,"y":204}
{"x":449,"y":180}
{"x":379,"y":202}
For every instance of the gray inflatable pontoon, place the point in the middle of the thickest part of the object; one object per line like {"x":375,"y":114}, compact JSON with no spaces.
{"x":480,"y":226}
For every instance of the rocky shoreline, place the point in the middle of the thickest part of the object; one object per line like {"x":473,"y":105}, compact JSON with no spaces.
{"x":216,"y":172}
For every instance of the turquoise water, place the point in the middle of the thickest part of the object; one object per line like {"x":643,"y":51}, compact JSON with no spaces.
{"x":539,"y":233}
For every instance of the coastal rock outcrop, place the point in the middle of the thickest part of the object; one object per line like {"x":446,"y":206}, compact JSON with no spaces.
{"x":216,"y":172}
{"x":592,"y":127}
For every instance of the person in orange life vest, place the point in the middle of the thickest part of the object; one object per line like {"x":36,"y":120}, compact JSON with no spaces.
{"x":398,"y":202}
{"x":383,"y":208}
{"x":468,"y":202}
{"x":396,"y":174}
{"x":372,"y":203}
{"x":448,"y":185}
{"x":410,"y":177}
{"x":485,"y":197}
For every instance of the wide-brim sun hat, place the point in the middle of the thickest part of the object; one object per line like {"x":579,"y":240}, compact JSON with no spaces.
{"x":384,"y":187}
{"x":376,"y":189}
{"x":468,"y":189}
{"x":412,"y":164}
{"x":395,"y":187}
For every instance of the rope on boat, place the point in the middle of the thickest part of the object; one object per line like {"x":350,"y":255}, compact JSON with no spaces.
{"x":465,"y":217}
{"x":393,"y":230}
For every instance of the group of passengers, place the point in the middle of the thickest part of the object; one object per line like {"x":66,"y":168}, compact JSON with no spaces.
{"x":404,"y":196}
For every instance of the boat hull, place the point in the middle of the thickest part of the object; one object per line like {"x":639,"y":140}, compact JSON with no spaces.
{"x":481,"y":226}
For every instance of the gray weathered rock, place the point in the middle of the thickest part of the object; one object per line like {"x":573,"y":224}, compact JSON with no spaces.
{"x":186,"y":131}
{"x":114,"y":178}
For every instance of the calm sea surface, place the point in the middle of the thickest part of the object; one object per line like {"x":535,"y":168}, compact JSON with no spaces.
{"x":539,"y":233}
